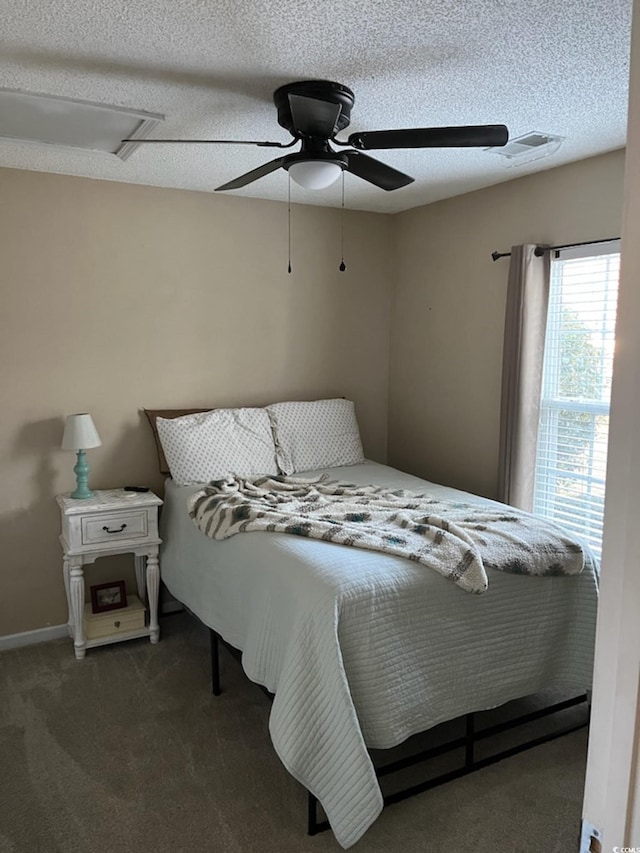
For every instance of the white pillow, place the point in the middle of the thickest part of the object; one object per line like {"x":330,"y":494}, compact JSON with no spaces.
{"x":320,"y":434}
{"x":217,"y":444}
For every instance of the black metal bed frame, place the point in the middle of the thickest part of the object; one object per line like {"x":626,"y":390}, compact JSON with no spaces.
{"x":467,"y":742}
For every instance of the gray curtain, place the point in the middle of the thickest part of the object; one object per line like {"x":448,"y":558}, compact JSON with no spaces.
{"x":524,"y":334}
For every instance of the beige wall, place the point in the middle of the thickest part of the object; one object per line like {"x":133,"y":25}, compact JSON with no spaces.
{"x":448,"y":310}
{"x":116,"y":297}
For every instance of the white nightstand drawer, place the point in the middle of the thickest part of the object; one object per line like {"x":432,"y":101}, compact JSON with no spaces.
{"x":113,"y":526}
{"x":114,"y":622}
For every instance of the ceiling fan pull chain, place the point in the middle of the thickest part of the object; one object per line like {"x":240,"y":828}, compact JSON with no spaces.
{"x":342,"y":266}
{"x":289,"y":217}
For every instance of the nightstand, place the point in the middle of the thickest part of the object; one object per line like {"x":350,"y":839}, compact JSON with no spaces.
{"x":111,"y":522}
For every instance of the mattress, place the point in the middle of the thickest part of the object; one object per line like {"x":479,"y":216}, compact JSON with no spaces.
{"x":364,"y":649}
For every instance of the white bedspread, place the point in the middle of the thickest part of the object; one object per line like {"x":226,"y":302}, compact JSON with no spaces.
{"x":365,"y":649}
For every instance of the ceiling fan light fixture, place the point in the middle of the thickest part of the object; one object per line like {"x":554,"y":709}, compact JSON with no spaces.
{"x":315,"y":174}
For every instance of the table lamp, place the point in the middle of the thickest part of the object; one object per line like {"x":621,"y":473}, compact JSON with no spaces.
{"x":80,"y":434}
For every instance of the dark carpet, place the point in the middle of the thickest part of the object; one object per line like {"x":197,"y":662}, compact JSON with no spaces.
{"x":129,"y":751}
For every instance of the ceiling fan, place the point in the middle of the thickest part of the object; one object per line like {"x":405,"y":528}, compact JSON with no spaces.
{"x":314,"y":111}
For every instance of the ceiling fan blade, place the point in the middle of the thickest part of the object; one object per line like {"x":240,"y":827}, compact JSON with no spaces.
{"x":375,"y":172}
{"x":248,"y":177}
{"x":481,"y":135}
{"x":313,"y":117}
{"x":214,"y":142}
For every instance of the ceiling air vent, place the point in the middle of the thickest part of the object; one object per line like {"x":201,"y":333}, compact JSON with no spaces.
{"x":64,"y":123}
{"x":524,"y":149}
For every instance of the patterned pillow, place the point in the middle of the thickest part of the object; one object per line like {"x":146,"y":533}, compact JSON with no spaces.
{"x":153,"y":415}
{"x":217,"y":444}
{"x":320,"y":434}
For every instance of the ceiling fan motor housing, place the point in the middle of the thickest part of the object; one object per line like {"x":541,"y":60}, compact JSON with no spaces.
{"x":318,"y":90}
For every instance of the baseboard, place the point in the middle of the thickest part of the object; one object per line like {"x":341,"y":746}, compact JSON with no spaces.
{"x":58,"y":632}
{"x":31,"y":638}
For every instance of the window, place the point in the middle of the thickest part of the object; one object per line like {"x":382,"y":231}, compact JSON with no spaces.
{"x":571,"y":457}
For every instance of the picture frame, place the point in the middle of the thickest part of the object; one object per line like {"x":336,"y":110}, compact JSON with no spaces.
{"x":108,"y":596}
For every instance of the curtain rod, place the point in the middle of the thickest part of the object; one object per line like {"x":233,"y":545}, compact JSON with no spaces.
{"x":540,"y":250}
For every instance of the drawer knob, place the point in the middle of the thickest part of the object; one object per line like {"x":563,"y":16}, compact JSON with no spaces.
{"x":119,"y":530}
{"x":117,"y":624}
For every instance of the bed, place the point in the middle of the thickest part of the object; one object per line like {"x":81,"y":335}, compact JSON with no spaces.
{"x":364,"y":649}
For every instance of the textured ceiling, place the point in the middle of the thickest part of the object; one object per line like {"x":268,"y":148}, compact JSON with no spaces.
{"x":210,"y":66}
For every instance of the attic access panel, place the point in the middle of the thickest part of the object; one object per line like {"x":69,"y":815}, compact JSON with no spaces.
{"x":69,"y":123}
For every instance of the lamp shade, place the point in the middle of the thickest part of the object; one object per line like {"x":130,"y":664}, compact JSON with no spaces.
{"x":80,"y":433}
{"x":315,"y":174}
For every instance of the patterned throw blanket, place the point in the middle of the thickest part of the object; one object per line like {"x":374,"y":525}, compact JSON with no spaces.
{"x":458,"y":540}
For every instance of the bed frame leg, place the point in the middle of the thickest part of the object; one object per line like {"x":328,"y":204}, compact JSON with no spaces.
{"x":469,"y":741}
{"x":215,"y":663}
{"x":312,"y":815}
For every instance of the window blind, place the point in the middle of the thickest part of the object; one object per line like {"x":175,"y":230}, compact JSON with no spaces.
{"x":571,"y":456}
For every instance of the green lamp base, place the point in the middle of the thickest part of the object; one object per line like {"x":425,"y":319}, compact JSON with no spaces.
{"x":81,"y":470}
